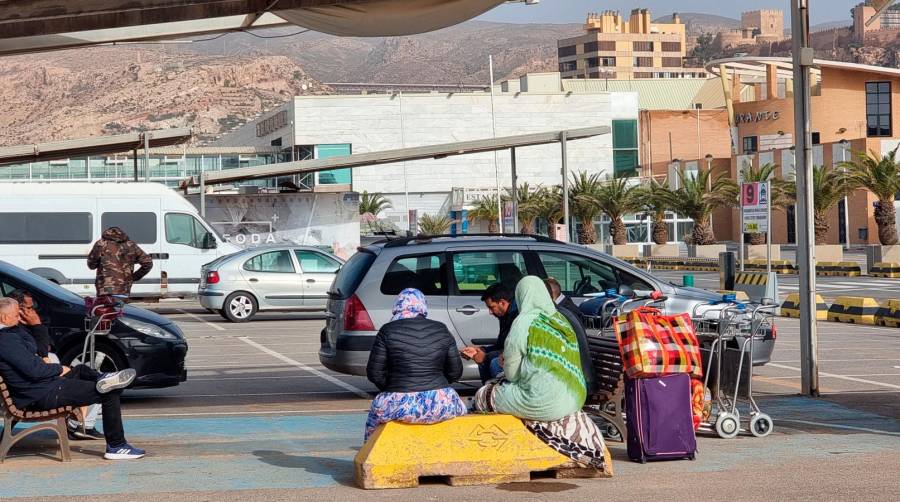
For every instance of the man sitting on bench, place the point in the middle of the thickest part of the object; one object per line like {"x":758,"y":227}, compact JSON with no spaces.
{"x":37,"y":386}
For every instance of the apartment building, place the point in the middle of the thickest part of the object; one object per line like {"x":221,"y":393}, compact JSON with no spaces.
{"x":615,"y":48}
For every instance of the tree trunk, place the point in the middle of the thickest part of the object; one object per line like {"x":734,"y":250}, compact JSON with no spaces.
{"x":886,"y":219}
{"x":821,"y":228}
{"x":617,"y":232}
{"x":660,"y":231}
{"x":703,"y":233}
{"x":757,"y":238}
{"x":492,"y":226}
{"x":527,"y":226}
{"x":587,"y":234}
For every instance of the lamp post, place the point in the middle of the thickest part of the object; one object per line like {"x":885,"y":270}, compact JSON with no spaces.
{"x":844,"y":145}
{"x":709,"y":158}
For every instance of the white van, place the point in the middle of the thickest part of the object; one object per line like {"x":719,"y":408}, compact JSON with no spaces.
{"x":49,"y":229}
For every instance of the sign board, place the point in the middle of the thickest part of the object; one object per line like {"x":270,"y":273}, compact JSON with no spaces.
{"x":754,"y":207}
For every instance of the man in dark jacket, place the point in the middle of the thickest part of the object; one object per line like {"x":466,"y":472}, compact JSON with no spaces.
{"x":562,"y":300}
{"x":500,"y":302}
{"x":114,"y":257}
{"x":38,"y":386}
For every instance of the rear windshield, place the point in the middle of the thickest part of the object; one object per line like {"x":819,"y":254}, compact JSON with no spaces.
{"x":351,"y":274}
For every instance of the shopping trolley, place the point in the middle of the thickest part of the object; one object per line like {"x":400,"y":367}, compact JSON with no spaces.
{"x":101,"y":313}
{"x":729,"y":322}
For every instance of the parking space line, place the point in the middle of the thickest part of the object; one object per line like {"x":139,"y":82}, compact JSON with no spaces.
{"x":344,"y":385}
{"x":249,"y":394}
{"x":204,"y":321}
{"x":840,"y":426}
{"x":841,"y":377}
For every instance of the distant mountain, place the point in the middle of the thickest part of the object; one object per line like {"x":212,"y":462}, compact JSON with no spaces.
{"x":697,"y":23}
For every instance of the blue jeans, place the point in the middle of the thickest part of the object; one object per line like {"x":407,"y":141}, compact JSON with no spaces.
{"x":490,"y":366}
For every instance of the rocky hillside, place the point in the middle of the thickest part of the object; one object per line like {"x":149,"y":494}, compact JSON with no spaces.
{"x":89,"y":92}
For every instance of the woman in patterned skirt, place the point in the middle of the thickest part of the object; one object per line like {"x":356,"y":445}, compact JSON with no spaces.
{"x":413,"y":362}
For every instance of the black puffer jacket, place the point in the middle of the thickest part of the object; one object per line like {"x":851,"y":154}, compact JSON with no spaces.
{"x":413,"y":355}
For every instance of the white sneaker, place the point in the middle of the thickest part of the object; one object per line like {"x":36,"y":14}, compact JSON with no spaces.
{"x":109,"y":382}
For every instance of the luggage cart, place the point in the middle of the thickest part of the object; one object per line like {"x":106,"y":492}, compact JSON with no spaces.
{"x":727,"y":321}
{"x":101,"y":313}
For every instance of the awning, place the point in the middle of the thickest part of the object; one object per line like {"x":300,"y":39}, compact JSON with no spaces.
{"x":41,"y":25}
{"x":399,"y":155}
{"x":99,"y":145}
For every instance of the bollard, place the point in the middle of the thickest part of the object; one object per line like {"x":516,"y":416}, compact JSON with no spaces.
{"x":687,"y":280}
{"x":727,"y":270}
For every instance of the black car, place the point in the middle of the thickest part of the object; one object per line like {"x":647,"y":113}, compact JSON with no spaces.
{"x":148,"y":342}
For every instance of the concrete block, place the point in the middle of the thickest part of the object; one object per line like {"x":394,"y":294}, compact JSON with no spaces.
{"x":830,"y":252}
{"x":710,"y":251}
{"x":758,"y":252}
{"x":890,"y":270}
{"x":626,"y":250}
{"x":888,"y":314}
{"x":853,"y":310}
{"x":667,"y":250}
{"x":791,"y":307}
{"x":890,"y":253}
{"x":468,"y":450}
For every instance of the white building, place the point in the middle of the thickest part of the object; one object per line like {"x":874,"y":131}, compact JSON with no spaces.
{"x":324,"y":126}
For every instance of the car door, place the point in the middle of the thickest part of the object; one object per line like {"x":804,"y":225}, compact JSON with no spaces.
{"x":472,"y":271}
{"x":272,"y":277}
{"x":317,"y":273}
{"x":581,"y":277}
{"x":188,"y":246}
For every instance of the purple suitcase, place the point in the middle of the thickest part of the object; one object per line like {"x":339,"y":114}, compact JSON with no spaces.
{"x":659,"y":418}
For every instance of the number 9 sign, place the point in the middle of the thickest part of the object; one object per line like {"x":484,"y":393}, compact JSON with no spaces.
{"x":749,"y":194}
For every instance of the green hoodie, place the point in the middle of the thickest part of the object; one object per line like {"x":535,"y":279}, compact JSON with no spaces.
{"x":541,"y":360}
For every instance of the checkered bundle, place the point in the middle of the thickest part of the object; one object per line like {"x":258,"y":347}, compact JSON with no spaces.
{"x":653,"y":344}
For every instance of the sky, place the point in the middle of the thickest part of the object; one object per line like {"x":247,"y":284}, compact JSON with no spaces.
{"x":574,"y":11}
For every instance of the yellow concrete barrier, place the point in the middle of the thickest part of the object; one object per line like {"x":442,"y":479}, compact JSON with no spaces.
{"x":791,"y":307}
{"x":838,"y":269}
{"x":469,"y":450}
{"x":888,"y":314}
{"x":853,"y":309}
{"x":889,"y":270}
{"x":778,"y":266}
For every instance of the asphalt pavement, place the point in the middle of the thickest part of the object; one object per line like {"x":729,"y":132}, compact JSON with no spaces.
{"x":260,"y":419}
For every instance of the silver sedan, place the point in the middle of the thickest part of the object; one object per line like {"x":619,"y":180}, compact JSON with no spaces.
{"x":277,"y":278}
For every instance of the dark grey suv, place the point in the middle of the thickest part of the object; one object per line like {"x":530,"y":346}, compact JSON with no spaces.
{"x":453,"y":271}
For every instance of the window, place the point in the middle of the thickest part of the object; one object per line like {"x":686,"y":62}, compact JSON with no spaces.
{"x":671,"y":47}
{"x":568,"y":50}
{"x":639,"y":286}
{"x":607,"y":61}
{"x":273,"y":261}
{"x":671,"y":62}
{"x":643,"y":62}
{"x":577,"y":275}
{"x":140,"y":227}
{"x":878,"y":109}
{"x":45,"y":228}
{"x":592,"y":62}
{"x":625,"y":147}
{"x":643,"y":47}
{"x":313,"y":262}
{"x":475,"y":271}
{"x":816,"y":138}
{"x":568,"y":66}
{"x":749,"y":144}
{"x":425,"y":273}
{"x":342,"y":176}
{"x":185,"y":229}
{"x":591,"y":47}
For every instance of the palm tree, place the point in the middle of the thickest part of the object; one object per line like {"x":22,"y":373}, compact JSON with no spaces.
{"x":529,"y":201}
{"x":550,"y":208}
{"x":656,"y":198}
{"x":700,"y":195}
{"x":779,"y":197}
{"x":879,"y":174}
{"x":373,"y":203}
{"x":485,"y":209}
{"x":584,"y":197}
{"x":617,"y":197}
{"x":434,"y":224}
{"x":829,"y":187}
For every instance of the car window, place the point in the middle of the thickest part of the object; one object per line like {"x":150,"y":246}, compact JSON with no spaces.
{"x":351,"y":275}
{"x":185,"y":229}
{"x":273,"y":261}
{"x":639,"y":286}
{"x":578,"y":275}
{"x":313,"y":262}
{"x":475,"y":271}
{"x":423,"y":272}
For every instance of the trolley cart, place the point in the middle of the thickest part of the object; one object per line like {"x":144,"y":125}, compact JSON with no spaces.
{"x":102,"y":312}
{"x":732,"y":321}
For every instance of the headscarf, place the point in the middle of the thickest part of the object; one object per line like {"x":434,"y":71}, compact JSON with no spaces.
{"x":410,"y":303}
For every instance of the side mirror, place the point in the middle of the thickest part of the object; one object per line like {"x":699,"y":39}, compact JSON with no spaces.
{"x":209,"y":241}
{"x":626,"y":291}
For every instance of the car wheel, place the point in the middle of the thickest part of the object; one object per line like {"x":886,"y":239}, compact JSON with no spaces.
{"x":240,"y":307}
{"x":106,"y":358}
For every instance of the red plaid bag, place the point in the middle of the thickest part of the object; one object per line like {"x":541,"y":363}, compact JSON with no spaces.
{"x":653,"y":344}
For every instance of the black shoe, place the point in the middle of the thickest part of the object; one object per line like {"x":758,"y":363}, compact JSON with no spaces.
{"x":79,"y":434}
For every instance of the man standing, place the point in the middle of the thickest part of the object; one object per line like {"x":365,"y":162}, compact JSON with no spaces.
{"x":114,"y":257}
{"x":561,"y":300}
{"x":500,"y":302}
{"x":38,"y":386}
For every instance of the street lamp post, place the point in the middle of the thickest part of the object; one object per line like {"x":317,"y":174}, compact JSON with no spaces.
{"x":844,"y":143}
{"x":709,"y":159}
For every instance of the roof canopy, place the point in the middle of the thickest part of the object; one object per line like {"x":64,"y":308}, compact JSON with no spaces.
{"x":40,"y":25}
{"x":398,"y":155}
{"x":100,"y":145}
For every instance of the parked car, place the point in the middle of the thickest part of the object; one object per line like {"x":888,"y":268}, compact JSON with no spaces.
{"x":453,"y":271}
{"x":278,"y":278}
{"x":148,"y":342}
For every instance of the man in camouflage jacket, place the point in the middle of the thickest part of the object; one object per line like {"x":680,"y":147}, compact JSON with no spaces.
{"x":114,"y":257}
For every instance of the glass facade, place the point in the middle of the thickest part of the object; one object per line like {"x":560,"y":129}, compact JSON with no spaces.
{"x":639,"y":231}
{"x":334,"y":176}
{"x":625,"y":147}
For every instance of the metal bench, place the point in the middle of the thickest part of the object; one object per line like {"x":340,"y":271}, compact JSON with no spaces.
{"x":52,"y":420}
